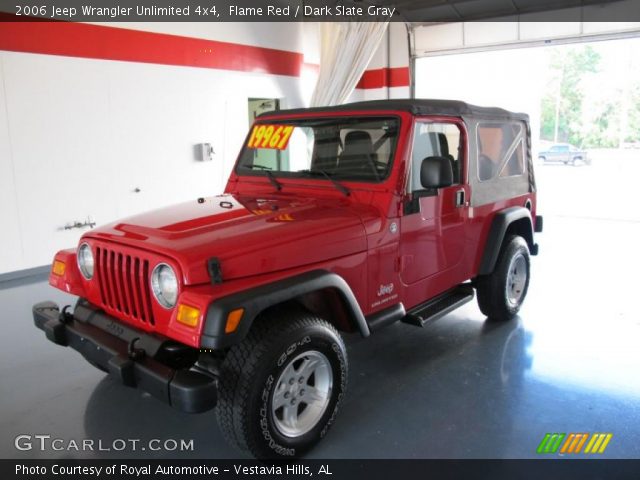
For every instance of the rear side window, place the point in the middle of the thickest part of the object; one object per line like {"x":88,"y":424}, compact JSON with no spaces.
{"x":500,"y":150}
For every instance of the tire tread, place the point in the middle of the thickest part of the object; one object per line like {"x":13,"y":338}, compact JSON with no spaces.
{"x":242,"y":361}
{"x":489,"y":287}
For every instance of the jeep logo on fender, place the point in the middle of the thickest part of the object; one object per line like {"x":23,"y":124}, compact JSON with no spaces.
{"x":385,"y":290}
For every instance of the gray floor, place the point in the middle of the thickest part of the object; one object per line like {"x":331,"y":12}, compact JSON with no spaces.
{"x":462,"y":388}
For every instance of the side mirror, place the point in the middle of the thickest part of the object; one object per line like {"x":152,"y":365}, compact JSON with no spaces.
{"x":436,"y":172}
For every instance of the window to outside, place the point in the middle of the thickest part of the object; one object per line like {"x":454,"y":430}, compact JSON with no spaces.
{"x":500,"y":150}
{"x":435,"y":140}
{"x":343,"y":148}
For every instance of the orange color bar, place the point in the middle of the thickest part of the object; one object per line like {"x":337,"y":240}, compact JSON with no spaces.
{"x":567,"y":443}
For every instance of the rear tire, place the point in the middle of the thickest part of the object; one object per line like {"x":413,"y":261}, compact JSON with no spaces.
{"x":501,"y":293}
{"x":281,"y":387}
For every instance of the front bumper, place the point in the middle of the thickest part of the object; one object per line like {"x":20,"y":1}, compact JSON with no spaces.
{"x":129,"y":355}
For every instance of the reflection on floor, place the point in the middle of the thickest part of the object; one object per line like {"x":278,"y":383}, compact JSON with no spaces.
{"x":461,"y":388}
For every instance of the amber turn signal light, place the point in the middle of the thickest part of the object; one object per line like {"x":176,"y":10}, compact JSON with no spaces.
{"x":58,"y":268}
{"x":187,"y":315}
{"x":233,"y":320}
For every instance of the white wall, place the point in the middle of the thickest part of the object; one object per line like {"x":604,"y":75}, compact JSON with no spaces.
{"x":290,"y":36}
{"x":510,"y":79}
{"x":77,"y":136}
{"x":11,"y":246}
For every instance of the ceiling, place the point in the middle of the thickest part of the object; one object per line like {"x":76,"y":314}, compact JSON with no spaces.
{"x":429,"y":11}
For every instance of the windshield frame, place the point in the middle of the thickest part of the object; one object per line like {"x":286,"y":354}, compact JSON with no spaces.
{"x":273,"y":118}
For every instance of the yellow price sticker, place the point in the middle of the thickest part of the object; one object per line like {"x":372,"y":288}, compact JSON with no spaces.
{"x":270,"y":136}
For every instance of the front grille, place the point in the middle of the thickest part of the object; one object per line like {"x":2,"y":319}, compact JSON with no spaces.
{"x":124,"y":284}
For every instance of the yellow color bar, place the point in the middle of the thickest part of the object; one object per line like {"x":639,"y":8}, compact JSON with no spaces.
{"x":595,"y":443}
{"x":187,"y":315}
{"x":58,"y":268}
{"x":594,"y":437}
{"x":607,"y":439}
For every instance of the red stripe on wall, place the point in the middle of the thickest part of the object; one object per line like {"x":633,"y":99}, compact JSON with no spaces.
{"x":385,"y":77}
{"x":110,"y":43}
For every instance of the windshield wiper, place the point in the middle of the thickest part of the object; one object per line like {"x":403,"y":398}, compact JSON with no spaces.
{"x":328,"y":176}
{"x":267,"y":171}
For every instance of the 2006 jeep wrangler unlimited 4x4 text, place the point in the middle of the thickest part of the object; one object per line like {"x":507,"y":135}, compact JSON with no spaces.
{"x":338,"y":219}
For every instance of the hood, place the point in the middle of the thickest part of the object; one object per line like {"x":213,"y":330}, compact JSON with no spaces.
{"x":248,"y":235}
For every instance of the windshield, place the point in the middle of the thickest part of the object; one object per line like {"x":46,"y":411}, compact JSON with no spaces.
{"x":344,"y":148}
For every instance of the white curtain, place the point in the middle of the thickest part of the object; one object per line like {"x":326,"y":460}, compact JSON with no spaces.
{"x":346,"y":49}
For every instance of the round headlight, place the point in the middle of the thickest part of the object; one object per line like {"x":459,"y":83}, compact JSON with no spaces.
{"x":85,"y":261}
{"x":164,"y":284}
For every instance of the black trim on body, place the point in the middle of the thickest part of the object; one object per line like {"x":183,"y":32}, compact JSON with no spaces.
{"x":256,"y":300}
{"x":386,"y":317}
{"x":412,"y":202}
{"x":215,"y":270}
{"x":499,"y":226}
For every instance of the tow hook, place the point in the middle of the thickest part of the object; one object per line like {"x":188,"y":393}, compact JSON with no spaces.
{"x":135,"y":353}
{"x":64,"y":316}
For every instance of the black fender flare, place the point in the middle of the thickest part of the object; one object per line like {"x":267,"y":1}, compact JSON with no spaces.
{"x":499,"y":225}
{"x":257,"y":299}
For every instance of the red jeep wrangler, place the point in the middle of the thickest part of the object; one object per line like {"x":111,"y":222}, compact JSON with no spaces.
{"x":338,"y":219}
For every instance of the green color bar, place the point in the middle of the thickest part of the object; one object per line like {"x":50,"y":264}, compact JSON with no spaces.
{"x":551,"y":442}
{"x":555,"y":447}
{"x":543,"y":443}
{"x":547,"y":448}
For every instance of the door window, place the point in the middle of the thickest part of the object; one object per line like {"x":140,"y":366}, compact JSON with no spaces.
{"x":435,"y":139}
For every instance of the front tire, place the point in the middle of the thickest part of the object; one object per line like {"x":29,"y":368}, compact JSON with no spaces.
{"x":501,"y":293}
{"x":281,"y":387}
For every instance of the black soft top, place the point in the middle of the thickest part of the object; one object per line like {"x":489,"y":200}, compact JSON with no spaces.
{"x":417,"y":107}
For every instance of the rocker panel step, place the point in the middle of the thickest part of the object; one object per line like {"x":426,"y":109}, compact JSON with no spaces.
{"x":438,"y":307}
